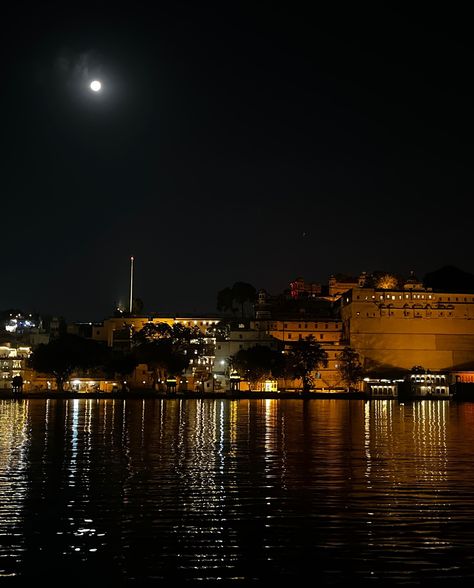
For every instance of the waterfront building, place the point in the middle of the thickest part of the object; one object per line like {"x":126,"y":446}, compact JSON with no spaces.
{"x":427,"y":384}
{"x":394,"y":330}
{"x":13,"y":362}
{"x":241,"y":336}
{"x":291,"y":320}
{"x":117,"y":333}
{"x":327,"y":331}
{"x":381,"y":387}
{"x":392,"y":324}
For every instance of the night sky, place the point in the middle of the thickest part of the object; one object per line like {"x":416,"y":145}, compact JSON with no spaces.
{"x":232,"y":141}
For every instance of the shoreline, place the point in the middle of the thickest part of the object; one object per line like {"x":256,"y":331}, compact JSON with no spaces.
{"x":150,"y":394}
{"x":229,"y":395}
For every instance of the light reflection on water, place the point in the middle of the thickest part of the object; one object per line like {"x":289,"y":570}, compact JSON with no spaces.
{"x":247,"y":490}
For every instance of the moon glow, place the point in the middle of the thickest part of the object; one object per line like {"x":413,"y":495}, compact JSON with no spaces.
{"x":95,"y":86}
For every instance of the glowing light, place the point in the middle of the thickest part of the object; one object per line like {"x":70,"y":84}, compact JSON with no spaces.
{"x":95,"y":86}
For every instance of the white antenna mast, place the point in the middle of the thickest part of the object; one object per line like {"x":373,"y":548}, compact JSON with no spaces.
{"x":131,"y":284}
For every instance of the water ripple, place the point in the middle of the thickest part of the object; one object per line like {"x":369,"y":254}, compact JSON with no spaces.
{"x":237,"y":491}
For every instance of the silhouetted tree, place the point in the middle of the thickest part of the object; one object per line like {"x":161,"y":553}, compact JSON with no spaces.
{"x":181,"y":336}
{"x":225,"y":300}
{"x":221,"y":331}
{"x":418,"y":369}
{"x":240,"y":293}
{"x":449,"y":278}
{"x":256,"y":363}
{"x":162,"y":360}
{"x":168,"y":349}
{"x":304,"y":357}
{"x":61,"y":356}
{"x":350,"y":367}
{"x":120,"y":363}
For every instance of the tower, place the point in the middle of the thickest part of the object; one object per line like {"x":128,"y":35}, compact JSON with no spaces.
{"x":131,"y":284}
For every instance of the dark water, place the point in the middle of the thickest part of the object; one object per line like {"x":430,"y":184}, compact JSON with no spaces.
{"x":236,"y":492}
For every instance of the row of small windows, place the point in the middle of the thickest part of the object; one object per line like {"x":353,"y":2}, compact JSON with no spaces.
{"x":428,"y":378}
{"x":317,"y":326}
{"x":321,"y":336}
{"x":383,"y":390}
{"x":465,"y":378}
{"x":436,"y":390}
{"x":16,"y":363}
{"x":201,"y":323}
{"x":420,"y":296}
{"x":306,"y":326}
{"x":410,"y":313}
{"x":393,"y":297}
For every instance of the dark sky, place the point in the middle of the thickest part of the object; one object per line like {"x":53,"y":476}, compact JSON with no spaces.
{"x":232,"y":141}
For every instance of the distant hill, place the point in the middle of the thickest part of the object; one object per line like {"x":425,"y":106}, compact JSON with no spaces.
{"x":449,"y":278}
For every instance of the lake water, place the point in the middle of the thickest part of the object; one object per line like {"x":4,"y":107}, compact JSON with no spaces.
{"x":237,"y":492}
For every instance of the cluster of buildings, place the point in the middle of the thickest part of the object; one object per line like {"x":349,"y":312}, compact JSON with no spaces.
{"x":392,"y":325}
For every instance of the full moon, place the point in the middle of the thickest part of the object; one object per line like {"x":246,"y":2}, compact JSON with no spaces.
{"x":95,"y":86}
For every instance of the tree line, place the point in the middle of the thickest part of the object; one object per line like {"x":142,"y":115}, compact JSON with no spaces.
{"x":299,"y":360}
{"x":168,"y":350}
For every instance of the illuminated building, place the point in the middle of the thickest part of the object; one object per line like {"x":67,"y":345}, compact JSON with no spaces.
{"x":326,"y":331}
{"x":241,"y":337}
{"x":398,"y":329}
{"x":300,"y":289}
{"x":340,"y":283}
{"x":428,"y":384}
{"x":381,"y":387}
{"x":13,"y":362}
{"x":117,"y":332}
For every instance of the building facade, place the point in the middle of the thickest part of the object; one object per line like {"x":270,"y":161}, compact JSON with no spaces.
{"x":326,"y":331}
{"x":117,"y":332}
{"x":240,"y":338}
{"x":398,"y":329}
{"x":13,"y":362}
